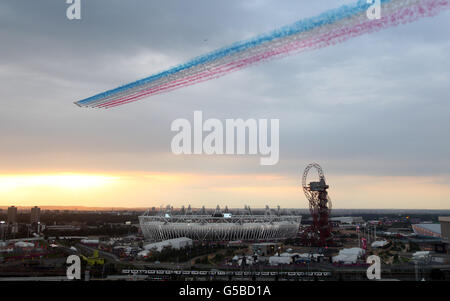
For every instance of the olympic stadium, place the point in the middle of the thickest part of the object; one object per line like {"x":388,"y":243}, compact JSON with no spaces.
{"x":219,"y":226}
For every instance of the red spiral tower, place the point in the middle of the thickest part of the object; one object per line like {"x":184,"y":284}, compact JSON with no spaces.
{"x":319,"y":233}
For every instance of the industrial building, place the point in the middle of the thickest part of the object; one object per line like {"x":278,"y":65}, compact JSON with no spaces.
{"x":176,"y":243}
{"x":428,"y":230}
{"x":219,"y":227}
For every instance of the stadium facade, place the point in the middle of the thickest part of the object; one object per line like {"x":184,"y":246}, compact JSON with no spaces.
{"x":219,"y":227}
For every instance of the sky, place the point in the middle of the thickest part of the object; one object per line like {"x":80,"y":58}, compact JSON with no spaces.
{"x":372,"y":111}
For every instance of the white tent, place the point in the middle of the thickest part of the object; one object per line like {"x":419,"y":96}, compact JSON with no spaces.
{"x":177,"y":243}
{"x":346,"y":259}
{"x":23,"y":244}
{"x":304,"y":255}
{"x":379,"y":243}
{"x":348,"y":256}
{"x":276,"y":260}
{"x":143,"y":253}
{"x":352,"y":251}
{"x":421,"y":255}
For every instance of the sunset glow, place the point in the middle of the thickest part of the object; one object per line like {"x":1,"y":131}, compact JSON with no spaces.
{"x":66,"y":180}
{"x":148,"y":189}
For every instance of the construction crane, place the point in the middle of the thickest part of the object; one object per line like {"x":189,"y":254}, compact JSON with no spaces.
{"x":319,"y":233}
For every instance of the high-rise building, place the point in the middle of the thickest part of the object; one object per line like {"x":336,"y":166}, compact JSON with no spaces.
{"x":35,"y":214}
{"x":12,"y":215}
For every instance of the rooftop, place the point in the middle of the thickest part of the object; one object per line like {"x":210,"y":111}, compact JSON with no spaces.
{"x":444,"y":218}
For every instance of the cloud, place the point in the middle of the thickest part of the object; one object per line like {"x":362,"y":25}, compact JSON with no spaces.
{"x":375,"y":105}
